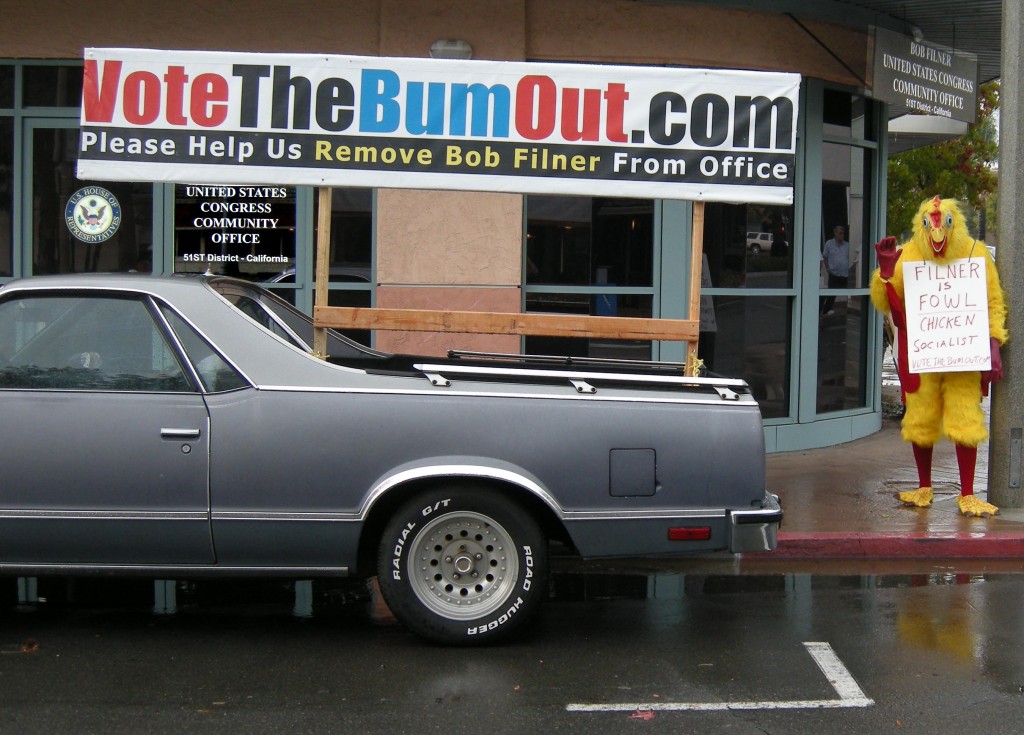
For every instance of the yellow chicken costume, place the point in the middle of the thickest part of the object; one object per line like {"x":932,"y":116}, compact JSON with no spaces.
{"x":941,"y":403}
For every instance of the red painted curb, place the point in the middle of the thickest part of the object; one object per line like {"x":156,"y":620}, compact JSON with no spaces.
{"x":845,"y":545}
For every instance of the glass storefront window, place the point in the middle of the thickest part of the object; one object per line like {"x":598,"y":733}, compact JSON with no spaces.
{"x":846,"y":203}
{"x":6,"y":86}
{"x":73,"y":221}
{"x":843,"y":315}
{"x":842,"y":355}
{"x":52,"y":86}
{"x":632,"y":305}
{"x":350,"y":279}
{"x":351,"y":246}
{"x":750,"y":337}
{"x":748,"y":245}
{"x":849,"y":116}
{"x":747,"y":336}
{"x":593,"y":247}
{"x":244,"y":231}
{"x":844,"y":241}
{"x":589,"y":241}
{"x":6,"y":195}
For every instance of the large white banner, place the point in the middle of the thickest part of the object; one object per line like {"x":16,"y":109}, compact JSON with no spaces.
{"x":248,"y":118}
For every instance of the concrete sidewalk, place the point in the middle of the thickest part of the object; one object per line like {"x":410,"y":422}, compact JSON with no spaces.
{"x":840,"y":504}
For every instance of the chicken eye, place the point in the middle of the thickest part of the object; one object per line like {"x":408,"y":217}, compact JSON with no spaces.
{"x":949,"y":220}
{"x":925,"y":220}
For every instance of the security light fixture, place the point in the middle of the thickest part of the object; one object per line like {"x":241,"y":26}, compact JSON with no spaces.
{"x":451,"y":49}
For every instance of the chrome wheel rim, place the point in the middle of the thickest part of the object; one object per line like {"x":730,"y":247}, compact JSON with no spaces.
{"x":463,"y":566}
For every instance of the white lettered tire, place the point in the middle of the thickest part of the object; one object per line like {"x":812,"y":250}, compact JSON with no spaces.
{"x":463,"y":565}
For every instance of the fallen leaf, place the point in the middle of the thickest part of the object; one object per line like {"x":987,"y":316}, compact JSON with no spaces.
{"x":642,"y":714}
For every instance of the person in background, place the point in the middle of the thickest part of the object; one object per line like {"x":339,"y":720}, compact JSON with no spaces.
{"x":835,"y":258}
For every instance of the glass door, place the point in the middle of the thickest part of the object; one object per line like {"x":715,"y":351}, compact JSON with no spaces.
{"x":76,"y":226}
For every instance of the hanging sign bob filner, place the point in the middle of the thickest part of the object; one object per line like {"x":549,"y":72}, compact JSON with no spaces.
{"x":303,"y":119}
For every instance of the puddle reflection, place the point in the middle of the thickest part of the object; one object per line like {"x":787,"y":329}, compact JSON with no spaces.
{"x":330,"y":594}
{"x":948,"y":624}
{"x":948,"y":620}
{"x":579,"y":587}
{"x":945,"y":623}
{"x":943,"y":613}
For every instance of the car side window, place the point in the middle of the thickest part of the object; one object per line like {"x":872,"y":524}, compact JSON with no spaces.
{"x":85,"y":342}
{"x":214,"y":372}
{"x":259,"y":314}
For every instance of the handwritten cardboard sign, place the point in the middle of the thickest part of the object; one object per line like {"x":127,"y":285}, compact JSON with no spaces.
{"x":947,"y":316}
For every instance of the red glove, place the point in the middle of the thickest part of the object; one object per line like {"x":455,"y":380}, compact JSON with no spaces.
{"x":995,"y":373}
{"x":888,"y":254}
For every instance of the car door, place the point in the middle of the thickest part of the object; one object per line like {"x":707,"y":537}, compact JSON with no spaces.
{"x":104,"y":441}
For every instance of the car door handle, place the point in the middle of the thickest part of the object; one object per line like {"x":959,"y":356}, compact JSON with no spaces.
{"x":179,"y":433}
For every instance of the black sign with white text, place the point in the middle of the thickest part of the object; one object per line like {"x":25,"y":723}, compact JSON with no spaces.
{"x":925,"y":77}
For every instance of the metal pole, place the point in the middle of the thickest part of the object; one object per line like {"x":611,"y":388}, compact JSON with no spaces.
{"x":1007,"y":422}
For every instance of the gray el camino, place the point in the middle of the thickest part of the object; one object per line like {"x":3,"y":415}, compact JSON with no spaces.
{"x":179,"y":426}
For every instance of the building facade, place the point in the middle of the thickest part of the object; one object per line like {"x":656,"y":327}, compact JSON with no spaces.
{"x":809,"y":347}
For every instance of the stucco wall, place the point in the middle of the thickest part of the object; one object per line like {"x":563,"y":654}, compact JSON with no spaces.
{"x":432,"y":243}
{"x":433,"y":246}
{"x":61,"y":29}
{"x":610,"y":31}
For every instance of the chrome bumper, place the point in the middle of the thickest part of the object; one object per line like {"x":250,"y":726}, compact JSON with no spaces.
{"x":756,"y":530}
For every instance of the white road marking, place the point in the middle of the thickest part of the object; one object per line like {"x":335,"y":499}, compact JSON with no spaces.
{"x":838,"y":675}
{"x":850,"y":693}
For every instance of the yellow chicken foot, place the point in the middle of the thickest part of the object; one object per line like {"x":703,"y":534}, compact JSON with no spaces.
{"x":971,"y":505}
{"x":922,"y":497}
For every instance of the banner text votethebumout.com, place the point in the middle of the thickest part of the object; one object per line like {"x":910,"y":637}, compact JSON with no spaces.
{"x":303,"y":119}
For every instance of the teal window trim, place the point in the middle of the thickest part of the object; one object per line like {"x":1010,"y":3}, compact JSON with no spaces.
{"x":855,"y":142}
{"x":50,"y":113}
{"x":878,"y":202}
{"x":799,"y":324}
{"x":305,"y":247}
{"x":373,"y":256}
{"x":811,"y":169}
{"x":163,"y":229}
{"x":29,"y":125}
{"x":806,"y":334}
{"x":17,"y":114}
{"x":674,"y":238}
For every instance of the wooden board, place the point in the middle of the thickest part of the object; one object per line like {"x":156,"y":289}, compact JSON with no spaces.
{"x":490,"y":322}
{"x":486,"y":322}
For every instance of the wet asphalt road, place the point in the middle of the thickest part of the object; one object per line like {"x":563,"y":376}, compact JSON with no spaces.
{"x":610,"y":653}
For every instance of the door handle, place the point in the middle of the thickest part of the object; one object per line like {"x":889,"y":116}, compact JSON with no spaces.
{"x":179,"y":433}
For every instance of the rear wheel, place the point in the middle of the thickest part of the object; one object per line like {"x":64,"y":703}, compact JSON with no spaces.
{"x":463,"y":565}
